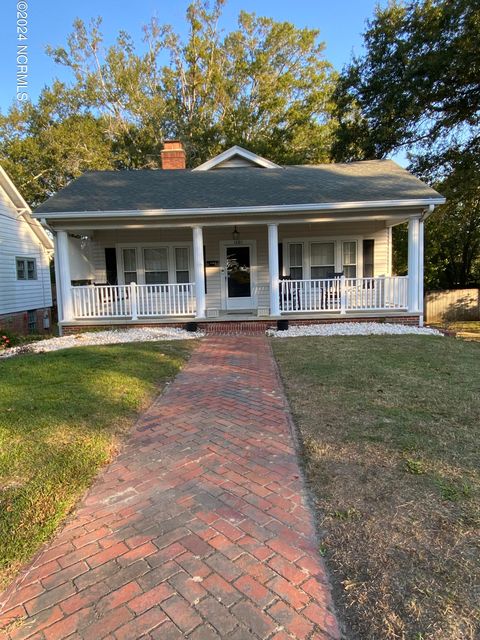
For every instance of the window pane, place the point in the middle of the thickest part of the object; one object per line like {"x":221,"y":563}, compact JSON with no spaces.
{"x":183,"y":277}
{"x":156,"y":259}
{"x":296,"y":255}
{"x":322,"y":272}
{"x":130,"y":276}
{"x":296,"y":273}
{"x":31,"y":270}
{"x":20,"y":269}
{"x":349,"y":253}
{"x":181,"y":259}
{"x":156,"y":277}
{"x":350,"y":271}
{"x":322,"y":253}
{"x":129,"y":260}
{"x":32,"y":321}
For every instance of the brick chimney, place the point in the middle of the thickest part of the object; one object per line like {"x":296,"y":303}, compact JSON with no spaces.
{"x":173,"y":155}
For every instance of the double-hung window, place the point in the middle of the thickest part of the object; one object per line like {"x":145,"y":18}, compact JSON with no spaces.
{"x":350,"y":259}
{"x":182,"y":267}
{"x":26,"y":268}
{"x":295,"y":256}
{"x":322,"y":260}
{"x":130,"y":265}
{"x":368,"y":258}
{"x":156,"y":265}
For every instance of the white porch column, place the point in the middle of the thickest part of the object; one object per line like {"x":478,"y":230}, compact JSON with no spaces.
{"x":421,"y":261}
{"x":57,"y":280}
{"x":199,"y":268}
{"x":62,"y":272}
{"x":273,"y":269}
{"x":413,"y":263}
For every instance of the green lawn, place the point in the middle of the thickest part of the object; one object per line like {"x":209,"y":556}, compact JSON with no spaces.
{"x":62,"y":416}
{"x":390,"y":430}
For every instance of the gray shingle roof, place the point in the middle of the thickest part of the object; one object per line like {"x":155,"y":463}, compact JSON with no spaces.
{"x":371,"y":180}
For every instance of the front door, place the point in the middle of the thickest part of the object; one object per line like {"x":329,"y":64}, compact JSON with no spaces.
{"x":238,"y":282}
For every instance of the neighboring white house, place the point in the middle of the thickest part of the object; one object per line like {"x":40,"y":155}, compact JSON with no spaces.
{"x":237,"y":238}
{"x":25,"y":253}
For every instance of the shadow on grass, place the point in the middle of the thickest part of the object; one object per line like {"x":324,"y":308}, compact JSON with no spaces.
{"x":62,"y":415}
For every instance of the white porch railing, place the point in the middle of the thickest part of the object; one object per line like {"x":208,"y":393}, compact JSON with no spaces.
{"x":344,"y":294}
{"x":337,"y":295}
{"x":133,"y":301}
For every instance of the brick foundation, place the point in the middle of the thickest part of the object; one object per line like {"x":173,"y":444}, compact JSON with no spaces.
{"x":241,"y":327}
{"x":18,"y":322}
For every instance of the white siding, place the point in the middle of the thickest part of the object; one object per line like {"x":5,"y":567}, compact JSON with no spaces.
{"x":17,"y":238}
{"x":213,"y":236}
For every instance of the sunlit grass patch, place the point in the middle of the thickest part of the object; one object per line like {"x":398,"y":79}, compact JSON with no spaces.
{"x":62,"y":417}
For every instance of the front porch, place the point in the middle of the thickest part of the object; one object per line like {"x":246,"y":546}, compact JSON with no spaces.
{"x":236,"y":273}
{"x":297,"y":298}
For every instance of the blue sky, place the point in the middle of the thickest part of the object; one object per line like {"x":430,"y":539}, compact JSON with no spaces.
{"x":340,"y":22}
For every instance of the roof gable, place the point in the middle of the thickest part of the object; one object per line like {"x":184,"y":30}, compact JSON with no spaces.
{"x":22,"y":208}
{"x":236,"y":157}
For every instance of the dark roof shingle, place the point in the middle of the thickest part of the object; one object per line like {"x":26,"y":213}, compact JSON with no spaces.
{"x":371,"y":180}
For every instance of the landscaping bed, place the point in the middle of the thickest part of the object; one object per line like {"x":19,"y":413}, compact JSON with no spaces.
{"x":390,"y":433}
{"x":90,"y":338}
{"x":63,"y":416}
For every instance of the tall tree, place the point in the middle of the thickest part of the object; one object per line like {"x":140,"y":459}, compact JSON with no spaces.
{"x":417,"y":89}
{"x":264,"y":85}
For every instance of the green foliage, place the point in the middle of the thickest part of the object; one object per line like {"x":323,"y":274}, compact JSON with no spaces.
{"x":415,"y":467}
{"x":265,"y":85}
{"x":453,"y":233}
{"x":417,"y":88}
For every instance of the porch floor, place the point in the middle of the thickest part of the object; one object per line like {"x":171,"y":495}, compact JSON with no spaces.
{"x":350,"y":316}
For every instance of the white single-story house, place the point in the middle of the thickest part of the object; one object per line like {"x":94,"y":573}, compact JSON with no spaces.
{"x":25,"y":253}
{"x":238,"y":238}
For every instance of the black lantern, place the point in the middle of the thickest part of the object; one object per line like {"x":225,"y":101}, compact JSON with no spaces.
{"x":236,"y":235}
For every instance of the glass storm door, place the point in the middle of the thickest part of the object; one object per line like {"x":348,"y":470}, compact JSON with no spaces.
{"x":238,"y":262}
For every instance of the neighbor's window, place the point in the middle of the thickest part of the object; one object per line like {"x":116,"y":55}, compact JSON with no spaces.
{"x":350,"y":259}
{"x":130,"y":265}
{"x":156,"y":265}
{"x":32,"y":321}
{"x":295,"y":251}
{"x":322,"y":259}
{"x":182,"y":272}
{"x":26,"y":269}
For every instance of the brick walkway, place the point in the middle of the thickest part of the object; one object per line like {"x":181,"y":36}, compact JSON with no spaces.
{"x":197,"y":530}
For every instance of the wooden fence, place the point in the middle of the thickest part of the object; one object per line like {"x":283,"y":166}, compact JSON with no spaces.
{"x":452,"y":305}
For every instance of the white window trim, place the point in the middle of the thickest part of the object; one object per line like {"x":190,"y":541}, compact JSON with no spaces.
{"x":338,"y":242}
{"x":139,"y":246}
{"x":26,"y":259}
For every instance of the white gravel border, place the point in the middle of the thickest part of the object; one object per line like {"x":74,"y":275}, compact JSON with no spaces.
{"x":112,"y":336}
{"x":352,"y":329}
